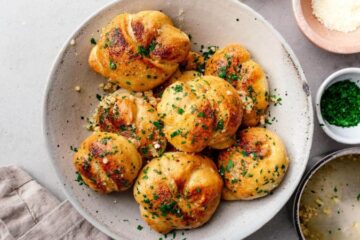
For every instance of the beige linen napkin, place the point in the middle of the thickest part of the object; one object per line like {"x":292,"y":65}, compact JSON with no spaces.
{"x":28,"y":211}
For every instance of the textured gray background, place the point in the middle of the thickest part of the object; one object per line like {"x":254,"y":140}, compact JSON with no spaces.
{"x":31,"y":35}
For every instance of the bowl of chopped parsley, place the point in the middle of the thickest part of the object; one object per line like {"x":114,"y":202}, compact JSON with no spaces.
{"x":338,"y":106}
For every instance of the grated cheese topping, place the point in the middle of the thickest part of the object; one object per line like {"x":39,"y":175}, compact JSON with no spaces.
{"x":339,"y":15}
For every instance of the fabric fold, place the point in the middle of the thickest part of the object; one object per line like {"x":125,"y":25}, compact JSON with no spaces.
{"x":30,"y":212}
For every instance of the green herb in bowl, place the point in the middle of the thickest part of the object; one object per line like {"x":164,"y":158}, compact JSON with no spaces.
{"x":340,"y":104}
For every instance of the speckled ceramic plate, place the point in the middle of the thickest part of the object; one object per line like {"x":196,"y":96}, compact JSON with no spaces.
{"x":209,"y":22}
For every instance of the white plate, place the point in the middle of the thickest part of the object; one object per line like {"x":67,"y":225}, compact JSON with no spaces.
{"x":209,"y":22}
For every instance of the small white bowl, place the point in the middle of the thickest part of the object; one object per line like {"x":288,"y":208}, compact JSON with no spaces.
{"x":348,"y":135}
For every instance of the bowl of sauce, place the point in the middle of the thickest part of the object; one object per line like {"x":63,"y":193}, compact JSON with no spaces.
{"x":327,"y":202}
{"x":338,"y":106}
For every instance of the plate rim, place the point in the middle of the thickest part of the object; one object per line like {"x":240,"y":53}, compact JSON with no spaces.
{"x":50,"y":149}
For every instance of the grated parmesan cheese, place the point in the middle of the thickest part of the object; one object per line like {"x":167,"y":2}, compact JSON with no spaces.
{"x":339,"y":15}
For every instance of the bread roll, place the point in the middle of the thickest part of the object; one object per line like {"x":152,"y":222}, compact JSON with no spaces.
{"x":107,"y":162}
{"x":254,"y":166}
{"x":234,"y":64}
{"x":178,"y":191}
{"x":139,"y":51}
{"x":205,"y":111}
{"x":132,"y":116}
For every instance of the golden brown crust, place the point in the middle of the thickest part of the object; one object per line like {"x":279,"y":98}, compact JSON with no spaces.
{"x":253,"y":89}
{"x":183,"y":76}
{"x":177,"y":76}
{"x":193,"y":62}
{"x":253,"y":167}
{"x":107,"y":162}
{"x":139,"y":51}
{"x":188,"y":117}
{"x":234,"y":64}
{"x":178,"y":191}
{"x":132,"y":116}
{"x":227,"y":108}
{"x":205,"y":111}
{"x":189,"y":70}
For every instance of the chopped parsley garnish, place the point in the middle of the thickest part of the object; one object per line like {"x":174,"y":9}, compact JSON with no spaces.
{"x":340,"y":104}
{"x":220,"y":125}
{"x":155,"y":196}
{"x":229,"y":166}
{"x":104,"y":114}
{"x":198,"y":190}
{"x":252,"y":93}
{"x":170,"y":208}
{"x":235,"y":180}
{"x":158,"y":124}
{"x":276,"y":100}
{"x":222,"y":72}
{"x":234,"y":77}
{"x":209,"y":52}
{"x":144,"y":150}
{"x":74,"y":149}
{"x":175,"y":133}
{"x":93,"y":41}
{"x":107,"y":43}
{"x":79,"y":179}
{"x":98,"y":97}
{"x":105,"y":140}
{"x":106,"y":152}
{"x":112,"y":65}
{"x":86,"y":165}
{"x":143,"y":51}
{"x":201,"y":114}
{"x":180,"y":111}
{"x":178,"y":88}
{"x":358,"y":197}
{"x":152,"y":46}
{"x":157,"y":171}
{"x":122,"y":127}
{"x":139,"y":227}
